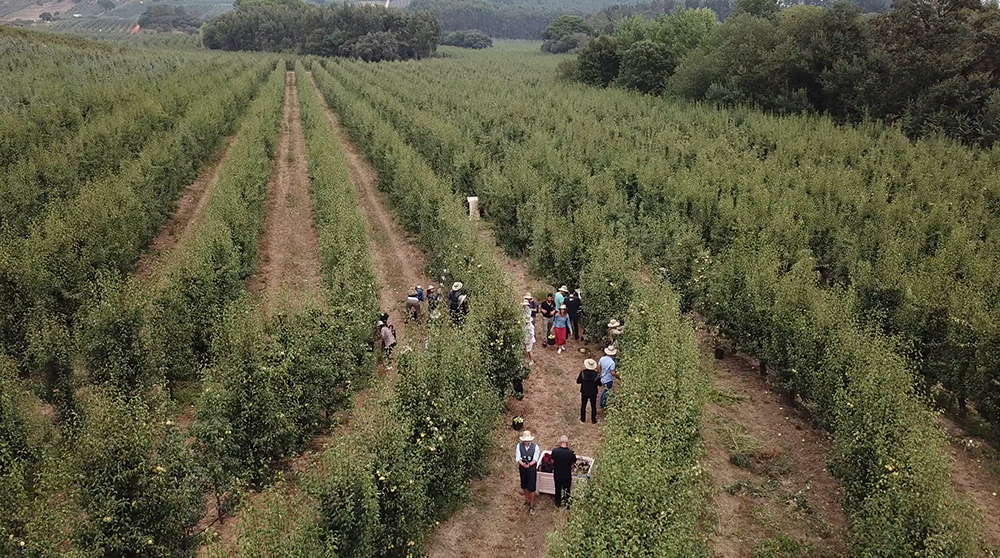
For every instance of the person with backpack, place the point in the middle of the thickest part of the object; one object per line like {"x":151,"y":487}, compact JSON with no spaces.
{"x":527,"y":456}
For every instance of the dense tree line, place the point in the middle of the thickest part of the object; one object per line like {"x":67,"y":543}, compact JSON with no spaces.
{"x":566,"y":34}
{"x":467,"y":39}
{"x":371,"y":33}
{"x":496,"y":20}
{"x":169,"y":18}
{"x":932,"y":67}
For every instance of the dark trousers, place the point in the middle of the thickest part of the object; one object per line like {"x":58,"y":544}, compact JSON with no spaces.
{"x":593,"y":408}
{"x":575,"y":321}
{"x":562,"y":490}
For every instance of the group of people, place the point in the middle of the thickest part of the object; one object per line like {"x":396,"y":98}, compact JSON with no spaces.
{"x":527,"y":455}
{"x":457,"y":302}
{"x":458,"y":307}
{"x":561,"y":317}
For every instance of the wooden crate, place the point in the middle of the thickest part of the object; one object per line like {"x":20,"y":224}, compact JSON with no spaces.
{"x":546,"y":482}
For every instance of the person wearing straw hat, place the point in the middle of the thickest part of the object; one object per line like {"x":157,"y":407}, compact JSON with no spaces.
{"x":614,"y":333}
{"x":588,"y":379}
{"x":560,"y":326}
{"x":563,"y":460}
{"x":532,"y":305}
{"x":561,"y":295}
{"x":609,"y":372}
{"x":529,"y":339}
{"x":527,"y":455}
{"x":456,"y":291}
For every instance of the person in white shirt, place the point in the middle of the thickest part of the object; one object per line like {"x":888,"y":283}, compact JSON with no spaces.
{"x":529,"y":339}
{"x":527,"y":455}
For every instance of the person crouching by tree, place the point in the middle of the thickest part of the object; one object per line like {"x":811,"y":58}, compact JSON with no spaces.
{"x":562,"y":472}
{"x":527,"y":455}
{"x":561,"y":326}
{"x":413,"y":306}
{"x":588,"y":379}
{"x":388,"y":340}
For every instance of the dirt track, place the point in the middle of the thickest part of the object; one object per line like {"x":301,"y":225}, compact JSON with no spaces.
{"x":496,"y":523}
{"x":766,"y":465}
{"x":288,"y":271}
{"x":399,"y":263}
{"x":188,"y":211}
{"x":975,"y":475}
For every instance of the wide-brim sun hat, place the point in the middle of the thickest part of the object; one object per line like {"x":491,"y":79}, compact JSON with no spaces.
{"x":590,"y":364}
{"x":525,"y":303}
{"x":526,"y":436}
{"x":527,"y":296}
{"x":614,"y":323}
{"x":457,"y":286}
{"x":611,"y":351}
{"x":564,"y":289}
{"x":562,"y":307}
{"x":430,"y":287}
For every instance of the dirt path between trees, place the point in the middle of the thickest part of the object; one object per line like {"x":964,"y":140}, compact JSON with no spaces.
{"x":399,"y":263}
{"x":766,"y":466}
{"x":288,"y":275}
{"x":975,"y":475}
{"x":188,"y":211}
{"x":496,"y":522}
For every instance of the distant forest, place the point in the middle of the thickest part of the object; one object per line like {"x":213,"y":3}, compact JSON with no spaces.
{"x":527,"y":19}
{"x":371,"y":33}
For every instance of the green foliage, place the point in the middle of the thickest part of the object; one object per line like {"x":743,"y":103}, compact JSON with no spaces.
{"x":566,"y":33}
{"x":371,"y":33}
{"x":125,"y":484}
{"x":599,"y":62}
{"x":646,"y":498}
{"x":19,"y":456}
{"x":766,"y":9}
{"x":797,"y":249}
{"x":169,"y":18}
{"x":467,"y":39}
{"x":645,"y":67}
{"x":610,"y":281}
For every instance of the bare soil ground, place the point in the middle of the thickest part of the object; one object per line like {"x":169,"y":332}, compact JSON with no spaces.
{"x":288,"y":271}
{"x":766,"y":467}
{"x":188,"y":211}
{"x":975,"y":474}
{"x":496,"y":523}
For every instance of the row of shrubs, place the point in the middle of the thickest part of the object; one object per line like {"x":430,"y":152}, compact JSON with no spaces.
{"x":46,"y":277}
{"x":648,"y":497}
{"x":887,"y":451}
{"x":381,"y":487}
{"x":106,"y":140}
{"x":118,"y":476}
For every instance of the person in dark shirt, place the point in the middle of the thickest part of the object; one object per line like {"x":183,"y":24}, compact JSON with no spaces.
{"x":588,"y":379}
{"x":573,"y":308}
{"x":564,"y":459}
{"x":548,"y":309}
